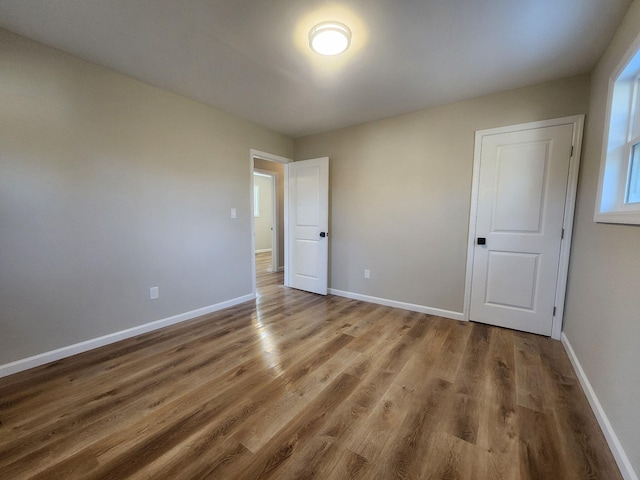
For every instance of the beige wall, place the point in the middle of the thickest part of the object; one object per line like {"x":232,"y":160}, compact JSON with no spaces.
{"x":602,"y":317}
{"x":278,"y":169}
{"x":108,"y":187}
{"x":401,"y":188}
{"x":263,"y":222}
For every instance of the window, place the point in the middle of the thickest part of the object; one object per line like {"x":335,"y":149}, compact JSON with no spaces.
{"x":619,"y":186}
{"x":633,"y":185}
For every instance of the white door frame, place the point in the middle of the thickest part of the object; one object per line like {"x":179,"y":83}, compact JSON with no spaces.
{"x":253,"y":154}
{"x":572,"y":185}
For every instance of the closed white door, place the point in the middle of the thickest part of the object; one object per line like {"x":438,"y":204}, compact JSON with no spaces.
{"x":521,"y":203}
{"x":308,"y":219}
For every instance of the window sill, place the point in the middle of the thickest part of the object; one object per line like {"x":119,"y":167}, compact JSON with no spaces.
{"x":625,"y":218}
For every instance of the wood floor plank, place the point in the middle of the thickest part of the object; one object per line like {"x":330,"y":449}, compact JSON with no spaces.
{"x":385,"y":418}
{"x":298,"y":396}
{"x":498,"y":428}
{"x":271,"y":460}
{"x":349,"y":466}
{"x":297,"y":385}
{"x":376,"y":374}
{"x":404,"y":454}
{"x":539,"y":446}
{"x":451,"y":459}
{"x":446,"y":357}
{"x":464,"y":416}
{"x":529,"y":388}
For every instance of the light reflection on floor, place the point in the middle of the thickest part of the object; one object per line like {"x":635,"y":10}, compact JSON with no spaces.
{"x":270,"y":352}
{"x":268,"y":340}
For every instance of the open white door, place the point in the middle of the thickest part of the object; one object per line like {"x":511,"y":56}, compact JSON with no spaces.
{"x":522,"y":192}
{"x":308,"y":220}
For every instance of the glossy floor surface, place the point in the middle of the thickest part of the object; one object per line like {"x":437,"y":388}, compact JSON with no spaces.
{"x":297,"y":386}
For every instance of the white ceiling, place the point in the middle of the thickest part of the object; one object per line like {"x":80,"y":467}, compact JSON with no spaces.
{"x":251,"y":57}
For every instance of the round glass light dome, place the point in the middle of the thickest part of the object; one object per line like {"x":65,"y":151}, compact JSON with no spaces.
{"x":329,"y":38}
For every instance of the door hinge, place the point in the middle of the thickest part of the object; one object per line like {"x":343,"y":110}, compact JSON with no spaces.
{"x":562,"y":235}
{"x":571,"y":154}
{"x":554,"y":311}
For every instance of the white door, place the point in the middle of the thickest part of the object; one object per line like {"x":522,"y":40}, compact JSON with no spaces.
{"x":308,"y":220}
{"x":522,"y":190}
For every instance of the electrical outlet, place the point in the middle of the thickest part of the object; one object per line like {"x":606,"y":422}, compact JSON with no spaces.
{"x":154,"y":293}
{"x":234,"y":213}
{"x":367,"y":273}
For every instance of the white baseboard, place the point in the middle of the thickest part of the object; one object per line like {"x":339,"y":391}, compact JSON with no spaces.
{"x":263,"y":250}
{"x":626,"y":469}
{"x":394,"y":303}
{"x":53,"y":355}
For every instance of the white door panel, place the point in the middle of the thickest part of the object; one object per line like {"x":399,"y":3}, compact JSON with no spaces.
{"x":307,"y":184}
{"x":511,"y":279}
{"x":308,"y":225}
{"x":521,"y":199}
{"x":518,"y":200}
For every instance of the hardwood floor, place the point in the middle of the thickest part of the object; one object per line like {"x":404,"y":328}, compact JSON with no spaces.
{"x":297,"y":386}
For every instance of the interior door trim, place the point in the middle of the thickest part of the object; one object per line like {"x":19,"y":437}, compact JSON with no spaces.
{"x":253,"y":154}
{"x":578,"y":125}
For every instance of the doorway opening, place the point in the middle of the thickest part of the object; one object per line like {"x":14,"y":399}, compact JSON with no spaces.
{"x":268,"y":184}
{"x":265,"y":218}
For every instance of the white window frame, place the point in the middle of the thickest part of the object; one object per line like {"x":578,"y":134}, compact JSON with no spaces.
{"x":622,"y":132}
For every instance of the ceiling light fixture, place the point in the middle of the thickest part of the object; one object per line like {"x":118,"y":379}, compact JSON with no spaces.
{"x":329,"y":38}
